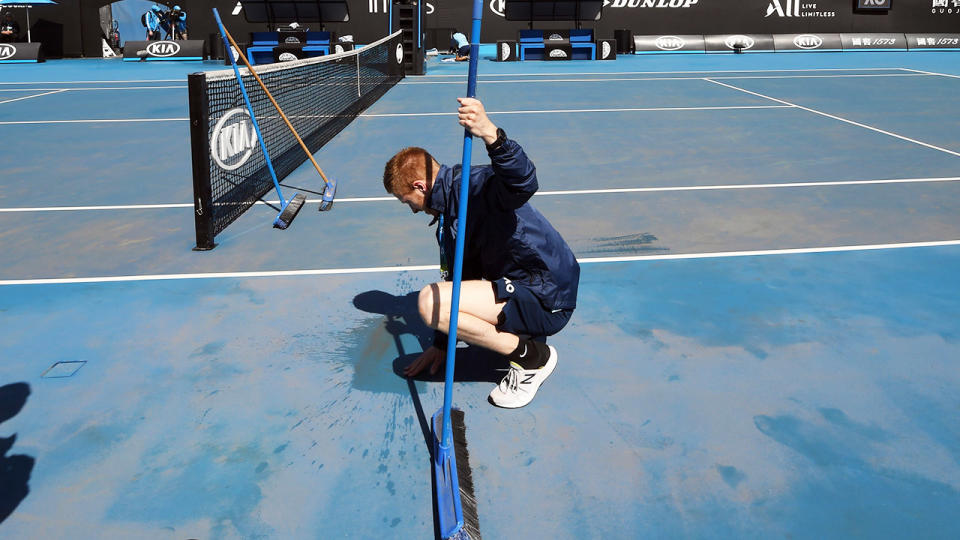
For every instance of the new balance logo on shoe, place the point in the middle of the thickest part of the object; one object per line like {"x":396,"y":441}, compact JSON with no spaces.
{"x":520,"y":385}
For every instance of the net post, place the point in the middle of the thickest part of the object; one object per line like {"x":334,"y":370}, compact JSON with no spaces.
{"x":200,"y":151}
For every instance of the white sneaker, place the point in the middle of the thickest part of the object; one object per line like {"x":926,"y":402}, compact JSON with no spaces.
{"x":520,"y":385}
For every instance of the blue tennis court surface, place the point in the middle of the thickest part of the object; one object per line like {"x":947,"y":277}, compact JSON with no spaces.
{"x":766,"y":342}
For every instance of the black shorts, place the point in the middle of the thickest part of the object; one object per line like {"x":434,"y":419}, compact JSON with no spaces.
{"x":463,"y":51}
{"x":523,"y":314}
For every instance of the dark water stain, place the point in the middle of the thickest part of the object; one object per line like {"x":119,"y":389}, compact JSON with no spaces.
{"x":734,"y":302}
{"x":841,"y":420}
{"x":215,"y":484}
{"x":629,"y":244}
{"x":209,"y":349}
{"x":845,"y":496}
{"x":731,"y":475}
{"x":280,"y":448}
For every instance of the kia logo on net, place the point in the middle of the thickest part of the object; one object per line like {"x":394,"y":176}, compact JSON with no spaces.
{"x":234,"y":139}
{"x":163,"y":48}
{"x":808,"y":41}
{"x":399,"y":53}
{"x":7,"y":51}
{"x":669,"y":43}
{"x":744,"y":42}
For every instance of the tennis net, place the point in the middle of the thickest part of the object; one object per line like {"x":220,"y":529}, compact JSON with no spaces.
{"x":320,"y":96}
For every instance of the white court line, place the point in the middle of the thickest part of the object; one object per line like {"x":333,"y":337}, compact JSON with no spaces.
{"x":538,"y":194}
{"x":31,"y":97}
{"x":95,"y":82}
{"x":88,"y":88}
{"x":521,"y":81}
{"x":934,"y":73}
{"x":93,"y":121}
{"x":368,"y":115}
{"x":561,"y":111}
{"x":551,"y":74}
{"x":391,"y":269}
{"x":858,"y":124}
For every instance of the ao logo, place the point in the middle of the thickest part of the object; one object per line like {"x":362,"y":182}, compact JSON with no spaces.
{"x":669,"y":43}
{"x":605,"y":49}
{"x":558,"y":53}
{"x":233,"y":139}
{"x":399,"y":53}
{"x":745,"y":42}
{"x":163,"y":48}
{"x":287,"y":57}
{"x":504,"y":51}
{"x":808,"y":41}
{"x":497,"y":6}
{"x":7,"y":51}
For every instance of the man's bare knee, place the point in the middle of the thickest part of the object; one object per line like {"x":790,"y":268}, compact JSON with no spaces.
{"x":428,"y":303}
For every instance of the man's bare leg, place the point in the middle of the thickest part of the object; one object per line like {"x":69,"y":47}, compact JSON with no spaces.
{"x":477,"y":318}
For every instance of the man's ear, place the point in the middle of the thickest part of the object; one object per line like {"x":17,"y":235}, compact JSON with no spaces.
{"x":420,"y":185}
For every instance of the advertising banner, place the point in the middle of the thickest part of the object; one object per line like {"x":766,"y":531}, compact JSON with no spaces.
{"x":20,"y":53}
{"x":747,"y":43}
{"x":163,"y":50}
{"x":874,"y":42}
{"x":668,"y":44}
{"x":807,"y":42}
{"x":928,"y":42}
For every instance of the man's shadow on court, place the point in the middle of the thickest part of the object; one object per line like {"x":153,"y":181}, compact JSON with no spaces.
{"x":14,"y":470}
{"x":471,"y":363}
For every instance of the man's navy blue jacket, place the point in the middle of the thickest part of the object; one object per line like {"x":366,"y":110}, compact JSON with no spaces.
{"x":506,"y":237}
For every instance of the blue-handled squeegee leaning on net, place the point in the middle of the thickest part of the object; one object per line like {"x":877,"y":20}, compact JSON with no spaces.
{"x":456,"y":505}
{"x":288,"y":209}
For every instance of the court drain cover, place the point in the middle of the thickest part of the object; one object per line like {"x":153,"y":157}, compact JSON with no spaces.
{"x":61,"y":370}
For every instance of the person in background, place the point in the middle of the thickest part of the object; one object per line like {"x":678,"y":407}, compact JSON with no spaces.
{"x":177,"y":19}
{"x":151,"y":20}
{"x":9,"y":29}
{"x":459,"y":43}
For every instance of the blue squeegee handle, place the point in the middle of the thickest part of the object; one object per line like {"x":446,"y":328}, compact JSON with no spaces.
{"x":246,"y":99}
{"x":461,"y":228}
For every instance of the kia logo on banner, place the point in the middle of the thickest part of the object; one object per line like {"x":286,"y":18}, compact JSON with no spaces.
{"x":234,"y":139}
{"x":498,"y":6}
{"x":808,"y":41}
{"x":744,"y":42}
{"x":7,"y":51}
{"x":163,"y":48}
{"x":670,"y":43}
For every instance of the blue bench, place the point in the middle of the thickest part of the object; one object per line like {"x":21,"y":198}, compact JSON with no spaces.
{"x":262,"y":44}
{"x":532,"y":44}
